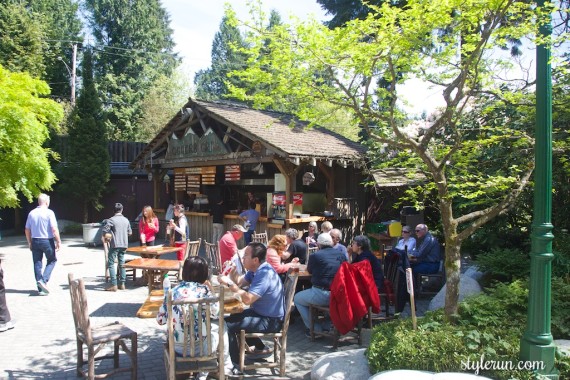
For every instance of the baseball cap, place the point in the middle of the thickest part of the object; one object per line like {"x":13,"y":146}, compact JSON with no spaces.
{"x":238,"y":227}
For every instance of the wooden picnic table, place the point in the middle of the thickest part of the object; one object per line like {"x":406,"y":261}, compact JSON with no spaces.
{"x":151,"y":251}
{"x":153,"y":268}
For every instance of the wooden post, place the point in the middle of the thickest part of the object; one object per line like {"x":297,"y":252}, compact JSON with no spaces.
{"x":289,"y":171}
{"x":328,"y":172}
{"x":410,"y":284}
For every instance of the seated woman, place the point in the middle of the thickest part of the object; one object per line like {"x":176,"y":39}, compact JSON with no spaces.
{"x":310,"y":237}
{"x":275,"y":248}
{"x":407,"y":243}
{"x":194,"y":285}
{"x":361,"y":249}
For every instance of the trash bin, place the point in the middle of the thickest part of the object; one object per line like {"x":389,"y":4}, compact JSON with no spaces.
{"x":92,"y":233}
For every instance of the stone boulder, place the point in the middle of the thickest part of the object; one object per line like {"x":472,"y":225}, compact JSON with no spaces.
{"x":341,"y":365}
{"x":467,"y":287}
{"x":474,"y":272}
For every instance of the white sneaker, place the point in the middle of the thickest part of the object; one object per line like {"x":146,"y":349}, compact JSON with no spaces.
{"x":42,"y":285}
{"x":6,"y":326}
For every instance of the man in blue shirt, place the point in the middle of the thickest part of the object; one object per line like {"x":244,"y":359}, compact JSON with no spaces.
{"x":425,"y":256}
{"x":250,"y":218}
{"x":265,"y":297}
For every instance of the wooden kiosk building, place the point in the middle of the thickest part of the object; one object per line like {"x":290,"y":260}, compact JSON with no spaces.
{"x":210,"y":151}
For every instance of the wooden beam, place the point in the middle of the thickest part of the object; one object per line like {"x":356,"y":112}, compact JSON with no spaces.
{"x":289,"y":171}
{"x":328,"y":172}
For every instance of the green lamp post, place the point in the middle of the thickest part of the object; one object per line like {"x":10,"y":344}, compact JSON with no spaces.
{"x":537,"y":344}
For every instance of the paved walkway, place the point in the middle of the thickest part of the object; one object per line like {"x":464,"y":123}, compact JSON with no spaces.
{"x":42,"y":345}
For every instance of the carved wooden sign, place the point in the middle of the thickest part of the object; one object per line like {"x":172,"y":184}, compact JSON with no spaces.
{"x":193,"y":146}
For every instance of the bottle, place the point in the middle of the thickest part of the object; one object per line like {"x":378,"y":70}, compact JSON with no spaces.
{"x":166,"y":285}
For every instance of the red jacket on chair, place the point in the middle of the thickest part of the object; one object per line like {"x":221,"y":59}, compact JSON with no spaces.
{"x":353,"y":291}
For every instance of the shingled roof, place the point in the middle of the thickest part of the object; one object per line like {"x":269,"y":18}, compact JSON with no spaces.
{"x":283,"y":132}
{"x":279,"y":132}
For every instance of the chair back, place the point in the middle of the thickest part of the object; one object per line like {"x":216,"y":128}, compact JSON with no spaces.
{"x":197,"y":354}
{"x":289,"y":291}
{"x":192,"y":248}
{"x":260,"y":238}
{"x":213,"y":255}
{"x":79,"y":308}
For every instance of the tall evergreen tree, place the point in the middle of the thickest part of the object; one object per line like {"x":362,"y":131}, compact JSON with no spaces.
{"x":227,"y":56}
{"x":133,"y":47}
{"x":86,"y":171}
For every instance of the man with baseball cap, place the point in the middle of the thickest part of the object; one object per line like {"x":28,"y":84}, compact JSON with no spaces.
{"x":228,"y":243}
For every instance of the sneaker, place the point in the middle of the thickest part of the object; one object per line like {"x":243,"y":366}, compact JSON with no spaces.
{"x":6,"y":326}
{"x":235,"y":373}
{"x":42,"y":293}
{"x":263,"y":353}
{"x":307,"y":333}
{"x":121,"y":286}
{"x":111,"y":289}
{"x":42,"y":286}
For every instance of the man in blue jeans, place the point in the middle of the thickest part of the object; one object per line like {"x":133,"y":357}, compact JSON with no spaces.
{"x":265,"y":297}
{"x":120,"y":229}
{"x":322,"y":266}
{"x":43,"y":238}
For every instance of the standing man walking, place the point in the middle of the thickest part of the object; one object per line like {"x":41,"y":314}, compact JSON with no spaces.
{"x":43,"y":238}
{"x":120,"y":229}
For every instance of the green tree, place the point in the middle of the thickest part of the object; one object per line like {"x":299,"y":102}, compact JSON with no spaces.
{"x":345,"y":10}
{"x":22,"y":41}
{"x":133,"y":47}
{"x":227,"y":56}
{"x":25,"y":119}
{"x":86,"y":170}
{"x":309,"y":63}
{"x":162,"y":101}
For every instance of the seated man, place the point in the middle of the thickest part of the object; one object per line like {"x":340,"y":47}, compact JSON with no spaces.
{"x":323,"y":266}
{"x":336,"y":235}
{"x":228,"y":242}
{"x":295,"y":247}
{"x":265,"y":297}
{"x":425,"y":257}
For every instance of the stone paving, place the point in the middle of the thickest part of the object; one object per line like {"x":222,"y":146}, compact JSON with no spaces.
{"x":42,"y":345}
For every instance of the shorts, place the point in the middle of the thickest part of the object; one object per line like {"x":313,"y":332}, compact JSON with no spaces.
{"x":181,"y":251}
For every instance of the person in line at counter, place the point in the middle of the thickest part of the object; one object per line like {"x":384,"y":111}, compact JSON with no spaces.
{"x":336,"y":235}
{"x":265,"y":297}
{"x":275,"y":250}
{"x":296,"y":248}
{"x":217,"y":211}
{"x":326,"y":226}
{"x":194,"y":286}
{"x":323,"y":266}
{"x":228,"y":243}
{"x":181,"y":231}
{"x":148,"y":226}
{"x":250,"y":218}
{"x":310,"y":236}
{"x":361,"y":248}
{"x":425,"y":257}
{"x":406,"y":241}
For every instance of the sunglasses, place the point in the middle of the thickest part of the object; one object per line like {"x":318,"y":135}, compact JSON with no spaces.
{"x":406,"y":232}
{"x":418,"y":230}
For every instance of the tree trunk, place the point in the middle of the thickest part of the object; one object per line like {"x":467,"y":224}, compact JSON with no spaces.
{"x":452,"y":271}
{"x":85,"y":212}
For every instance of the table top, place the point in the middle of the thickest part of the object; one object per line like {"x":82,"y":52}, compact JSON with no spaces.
{"x":152,"y":251}
{"x":153,"y":264}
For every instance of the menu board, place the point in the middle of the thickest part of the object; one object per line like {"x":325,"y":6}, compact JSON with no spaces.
{"x":208,"y":175}
{"x":193,"y":186}
{"x":179,"y":179}
{"x":232,"y":173}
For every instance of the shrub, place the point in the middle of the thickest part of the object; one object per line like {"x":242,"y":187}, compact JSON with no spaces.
{"x":561,"y":308}
{"x":504,"y":264}
{"x":488,"y":324}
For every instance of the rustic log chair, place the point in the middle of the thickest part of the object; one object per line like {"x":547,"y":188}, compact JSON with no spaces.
{"x":96,"y":337}
{"x":213,"y":255}
{"x":260,"y":238}
{"x":192,"y":249}
{"x":279,"y":338}
{"x":130,"y":271}
{"x":387,"y":297}
{"x":317,"y":311}
{"x":196,"y":355}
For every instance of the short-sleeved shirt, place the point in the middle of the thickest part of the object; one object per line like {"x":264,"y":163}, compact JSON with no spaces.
{"x":228,"y":247}
{"x":266,"y":284}
{"x":41,"y":222}
{"x":298,"y":249}
{"x":342,"y":248}
{"x":252,"y":216}
{"x":323,"y":266}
